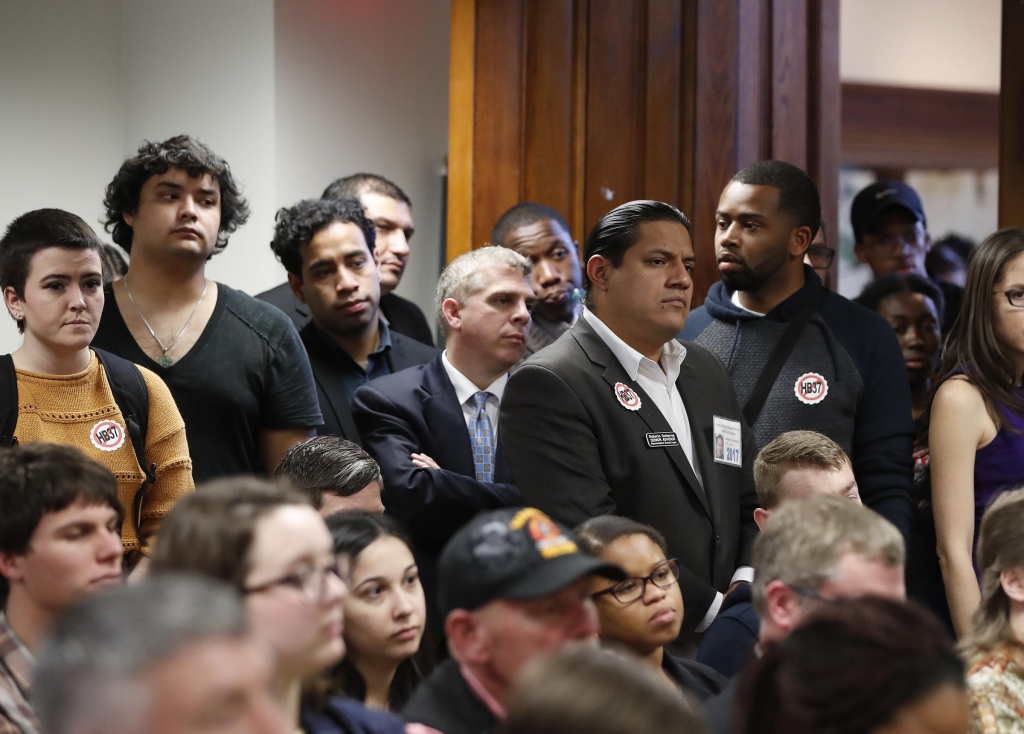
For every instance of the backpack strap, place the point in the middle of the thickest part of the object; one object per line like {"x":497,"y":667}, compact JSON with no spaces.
{"x":776,"y":360}
{"x":8,"y":401}
{"x":132,"y":398}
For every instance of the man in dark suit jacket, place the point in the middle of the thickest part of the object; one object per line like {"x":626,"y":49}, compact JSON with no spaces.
{"x":618,"y":417}
{"x":327,"y":248}
{"x":390,"y":211}
{"x":434,"y":429}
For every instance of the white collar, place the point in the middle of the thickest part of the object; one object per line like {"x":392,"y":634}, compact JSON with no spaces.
{"x":735,"y":299}
{"x":672,"y":353}
{"x":464,"y":387}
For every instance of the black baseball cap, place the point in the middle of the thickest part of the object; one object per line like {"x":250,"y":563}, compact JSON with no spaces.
{"x":512,"y":553}
{"x":878,"y":197}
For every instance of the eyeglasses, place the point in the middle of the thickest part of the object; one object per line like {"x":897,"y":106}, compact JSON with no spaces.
{"x":629,"y":590}
{"x":1015,"y":296}
{"x":820,"y":255}
{"x":891,"y":244}
{"x":311,"y":581}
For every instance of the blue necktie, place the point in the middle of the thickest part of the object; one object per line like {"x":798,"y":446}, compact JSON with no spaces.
{"x":482,"y":437}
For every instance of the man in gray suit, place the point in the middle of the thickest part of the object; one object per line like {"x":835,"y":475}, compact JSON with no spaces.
{"x":622,"y":418}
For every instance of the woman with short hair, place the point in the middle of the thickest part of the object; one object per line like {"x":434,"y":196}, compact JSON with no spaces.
{"x":51,"y":273}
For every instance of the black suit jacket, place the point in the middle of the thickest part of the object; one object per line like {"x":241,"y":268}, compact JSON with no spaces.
{"x":577,"y":453}
{"x":403,"y":315}
{"x":330,"y":390}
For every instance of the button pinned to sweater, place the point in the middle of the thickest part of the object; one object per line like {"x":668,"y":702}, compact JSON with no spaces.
{"x":810,"y":388}
{"x":107,"y":435}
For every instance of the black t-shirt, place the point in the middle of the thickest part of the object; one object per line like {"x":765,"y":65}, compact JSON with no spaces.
{"x":247,"y":372}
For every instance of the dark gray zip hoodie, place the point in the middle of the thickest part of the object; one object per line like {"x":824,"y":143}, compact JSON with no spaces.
{"x":845,"y":378}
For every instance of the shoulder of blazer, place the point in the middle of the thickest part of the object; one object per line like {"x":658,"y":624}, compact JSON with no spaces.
{"x":408,"y":352}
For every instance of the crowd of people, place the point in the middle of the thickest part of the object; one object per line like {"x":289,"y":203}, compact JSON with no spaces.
{"x":586,"y":507}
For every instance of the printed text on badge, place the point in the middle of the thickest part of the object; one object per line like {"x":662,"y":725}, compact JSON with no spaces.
{"x":810,"y":388}
{"x":728,"y":444}
{"x":107,"y":436}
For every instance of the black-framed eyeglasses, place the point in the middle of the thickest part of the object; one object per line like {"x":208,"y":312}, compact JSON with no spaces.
{"x":820,"y":255}
{"x":629,"y":590}
{"x":1015,"y":296}
{"x":311,"y":581}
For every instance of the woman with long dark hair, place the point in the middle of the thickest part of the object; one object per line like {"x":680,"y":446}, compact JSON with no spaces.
{"x":385,"y":611}
{"x":976,"y":432}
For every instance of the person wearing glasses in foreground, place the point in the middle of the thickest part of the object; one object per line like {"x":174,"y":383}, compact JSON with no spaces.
{"x":811,"y":552}
{"x":976,"y":432}
{"x":644,"y":612}
{"x":275,"y":550}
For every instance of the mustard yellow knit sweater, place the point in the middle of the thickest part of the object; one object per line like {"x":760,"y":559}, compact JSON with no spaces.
{"x":77,"y":410}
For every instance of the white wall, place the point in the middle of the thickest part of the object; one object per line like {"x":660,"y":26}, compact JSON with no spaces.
{"x":62,"y":113}
{"x":293,"y":94}
{"x":206,"y":68}
{"x":363,"y":86}
{"x":945,"y":44}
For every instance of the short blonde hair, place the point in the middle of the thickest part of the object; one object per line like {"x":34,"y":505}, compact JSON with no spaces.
{"x":462,"y":278}
{"x":793,"y":450}
{"x":802,"y":542}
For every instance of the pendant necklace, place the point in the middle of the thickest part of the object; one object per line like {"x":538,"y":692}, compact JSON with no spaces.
{"x":166,"y":361}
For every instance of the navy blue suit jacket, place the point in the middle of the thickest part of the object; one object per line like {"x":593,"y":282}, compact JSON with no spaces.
{"x":416,"y":411}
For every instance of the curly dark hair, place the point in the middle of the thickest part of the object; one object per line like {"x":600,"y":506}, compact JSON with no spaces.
{"x":191,"y":156}
{"x":889,"y":285}
{"x":297,"y":225}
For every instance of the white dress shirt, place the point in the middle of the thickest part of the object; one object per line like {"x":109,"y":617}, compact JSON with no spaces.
{"x":465,"y":390}
{"x":658,"y":380}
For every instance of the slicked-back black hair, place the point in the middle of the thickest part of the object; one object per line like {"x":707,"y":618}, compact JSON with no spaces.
{"x":297,"y":225}
{"x":619,"y":229}
{"x":797,"y":193}
{"x":352,"y":187}
{"x":878,"y":290}
{"x":191,"y":156}
{"x":523,"y":215}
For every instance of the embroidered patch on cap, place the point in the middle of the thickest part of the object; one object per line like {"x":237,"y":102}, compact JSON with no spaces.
{"x":811,"y":388}
{"x":549,"y":540}
{"x":107,"y":436}
{"x":627,"y":397}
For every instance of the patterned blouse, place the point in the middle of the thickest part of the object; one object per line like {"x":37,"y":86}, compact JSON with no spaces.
{"x":995,"y":685}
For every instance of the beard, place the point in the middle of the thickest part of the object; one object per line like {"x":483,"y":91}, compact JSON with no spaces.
{"x":751,"y":278}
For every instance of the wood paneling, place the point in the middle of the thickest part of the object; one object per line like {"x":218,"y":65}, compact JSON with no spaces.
{"x":548,"y":149}
{"x":461,"y":109}
{"x":902,"y":127}
{"x":662,"y":88}
{"x":789,"y":81}
{"x":586,"y":104}
{"x":823,"y":123}
{"x":1011,"y":114}
{"x":612,"y":114}
{"x":497,"y":127}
